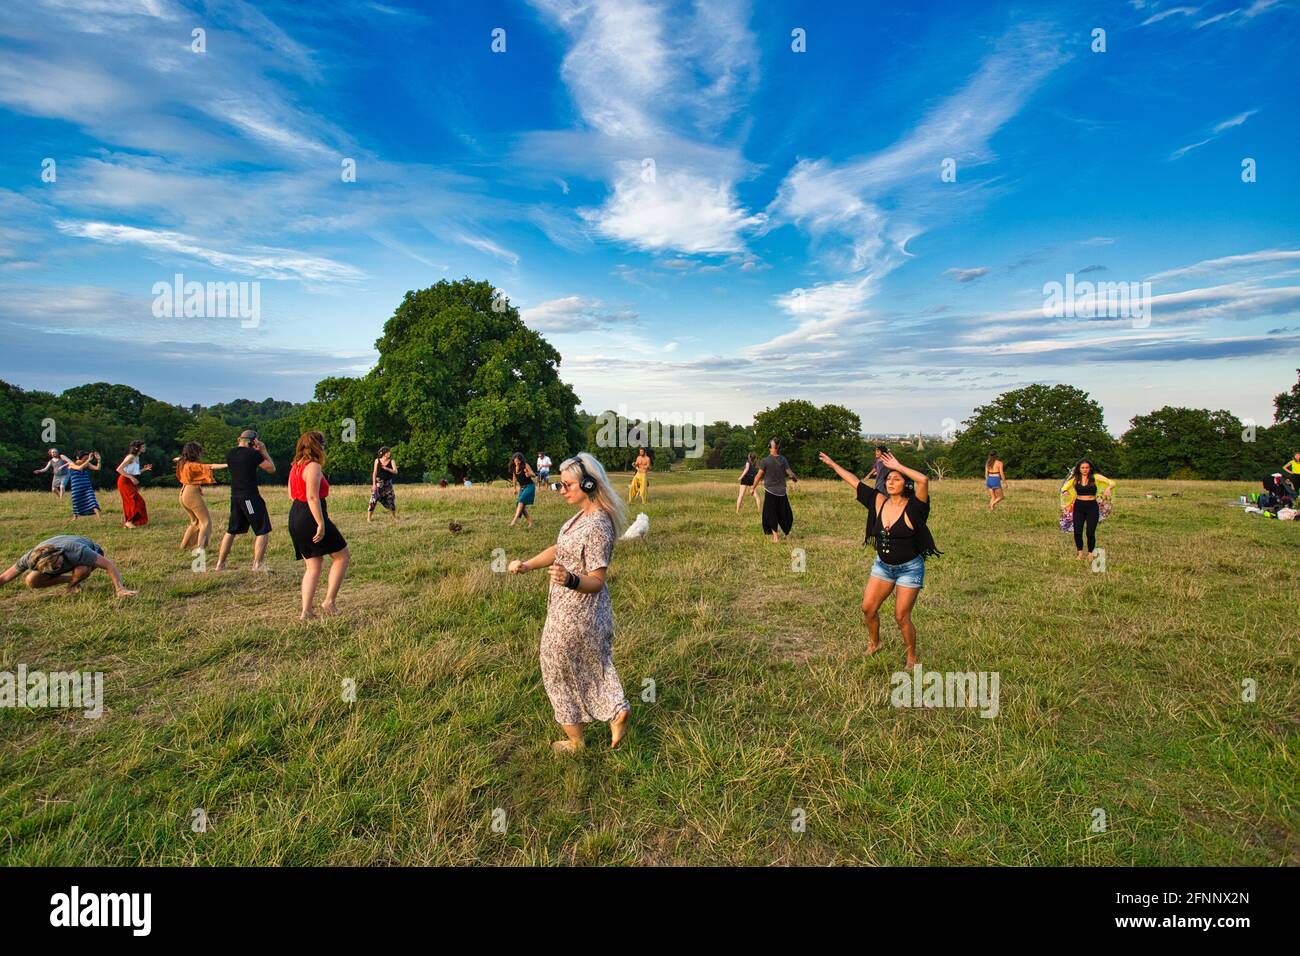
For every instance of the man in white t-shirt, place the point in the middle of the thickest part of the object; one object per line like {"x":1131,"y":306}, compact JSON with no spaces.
{"x":543,"y":466}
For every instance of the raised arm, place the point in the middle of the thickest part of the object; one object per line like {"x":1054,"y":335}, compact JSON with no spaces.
{"x":922,"y":482}
{"x":267,"y":465}
{"x":844,"y":473}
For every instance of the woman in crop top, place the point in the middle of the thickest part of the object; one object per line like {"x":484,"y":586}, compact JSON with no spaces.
{"x":310,"y":528}
{"x":1082,"y":497}
{"x":747,"y":484}
{"x":134,"y":512}
{"x":193,"y":474}
{"x":995,"y":479}
{"x":897,"y":519}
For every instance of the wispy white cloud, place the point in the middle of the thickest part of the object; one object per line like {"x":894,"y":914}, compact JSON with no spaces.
{"x":1215,"y":132}
{"x":1264,"y":257}
{"x":966,"y":275}
{"x":651,"y":81}
{"x":257,"y":262}
{"x":575,"y":313}
{"x":1171,"y":12}
{"x":492,"y":248}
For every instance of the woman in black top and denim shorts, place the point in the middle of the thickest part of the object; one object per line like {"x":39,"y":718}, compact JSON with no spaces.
{"x":898,"y":523}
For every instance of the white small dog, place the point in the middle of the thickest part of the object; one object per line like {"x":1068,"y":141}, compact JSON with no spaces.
{"x":638,"y":529}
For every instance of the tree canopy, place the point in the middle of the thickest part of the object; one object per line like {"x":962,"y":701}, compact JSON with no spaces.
{"x":1039,"y":430}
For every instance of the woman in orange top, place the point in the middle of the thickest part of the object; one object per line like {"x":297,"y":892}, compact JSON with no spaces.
{"x":193,"y":475}
{"x":310,"y":528}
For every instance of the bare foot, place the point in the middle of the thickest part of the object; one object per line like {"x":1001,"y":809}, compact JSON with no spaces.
{"x":618,"y":728}
{"x":124,"y":593}
{"x":307,"y":616}
{"x":329,"y":609}
{"x":261,"y":568}
{"x":1079,"y":556}
{"x":74,"y":588}
{"x":874,"y":648}
{"x":218,"y":567}
{"x":566,"y":746}
{"x":912,"y":662}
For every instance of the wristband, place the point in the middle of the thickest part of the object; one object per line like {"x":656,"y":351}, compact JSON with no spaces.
{"x":571,"y":582}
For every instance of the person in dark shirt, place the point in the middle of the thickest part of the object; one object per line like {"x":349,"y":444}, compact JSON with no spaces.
{"x":898,"y":523}
{"x":772,"y":473}
{"x":64,"y":559}
{"x":247,"y":509}
{"x":878,"y":473}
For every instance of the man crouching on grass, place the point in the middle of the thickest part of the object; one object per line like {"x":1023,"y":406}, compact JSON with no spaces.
{"x":64,"y":559}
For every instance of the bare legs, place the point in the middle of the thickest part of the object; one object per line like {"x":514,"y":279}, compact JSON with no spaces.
{"x":573,"y":741}
{"x":259,"y":551}
{"x":873,"y":597}
{"x":311,"y":577}
{"x":752,"y":493}
{"x":521,"y":511}
{"x":200,"y":527}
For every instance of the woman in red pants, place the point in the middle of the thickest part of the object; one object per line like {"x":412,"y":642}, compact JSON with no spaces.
{"x":135,"y":514}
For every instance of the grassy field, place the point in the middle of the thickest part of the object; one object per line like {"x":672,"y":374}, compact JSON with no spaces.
{"x":1119,"y":690}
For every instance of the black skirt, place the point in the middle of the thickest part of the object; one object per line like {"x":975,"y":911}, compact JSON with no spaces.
{"x":302,"y":528}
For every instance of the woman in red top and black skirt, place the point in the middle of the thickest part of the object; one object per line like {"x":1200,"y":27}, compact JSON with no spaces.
{"x":310,"y":528}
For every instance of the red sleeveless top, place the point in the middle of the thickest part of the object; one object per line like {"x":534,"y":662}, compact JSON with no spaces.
{"x":298,"y":487}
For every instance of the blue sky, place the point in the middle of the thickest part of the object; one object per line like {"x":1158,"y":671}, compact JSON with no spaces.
{"x":699,"y":218}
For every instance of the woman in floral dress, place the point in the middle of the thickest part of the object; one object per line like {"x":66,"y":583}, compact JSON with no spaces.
{"x":578,"y":637}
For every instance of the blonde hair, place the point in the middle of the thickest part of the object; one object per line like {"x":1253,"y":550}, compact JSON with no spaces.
{"x":604,"y":495}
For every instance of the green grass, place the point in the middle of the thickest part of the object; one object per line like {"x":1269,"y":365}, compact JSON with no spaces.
{"x":1119,"y":690}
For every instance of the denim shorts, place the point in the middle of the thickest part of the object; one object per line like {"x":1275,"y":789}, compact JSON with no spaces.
{"x":993,"y":481}
{"x":910,"y":574}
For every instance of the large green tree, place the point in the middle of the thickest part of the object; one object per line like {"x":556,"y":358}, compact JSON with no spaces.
{"x":805,"y":429}
{"x":1038,"y":430}
{"x":1189,"y":443}
{"x":461,"y":383}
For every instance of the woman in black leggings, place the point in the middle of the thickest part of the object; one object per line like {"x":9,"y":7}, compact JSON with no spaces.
{"x":1079,"y":494}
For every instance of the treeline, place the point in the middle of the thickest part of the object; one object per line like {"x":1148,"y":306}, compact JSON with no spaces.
{"x":462,"y":383}
{"x":107,"y":418}
{"x":1040,"y":430}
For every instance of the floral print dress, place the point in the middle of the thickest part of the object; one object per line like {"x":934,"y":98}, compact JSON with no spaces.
{"x":578,"y":637}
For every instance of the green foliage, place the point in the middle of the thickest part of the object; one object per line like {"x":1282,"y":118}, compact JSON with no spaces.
{"x":1197,"y":443}
{"x":1287,"y":405}
{"x":804,"y":430}
{"x":461,"y":383}
{"x":213,"y":434}
{"x":1039,"y":431}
